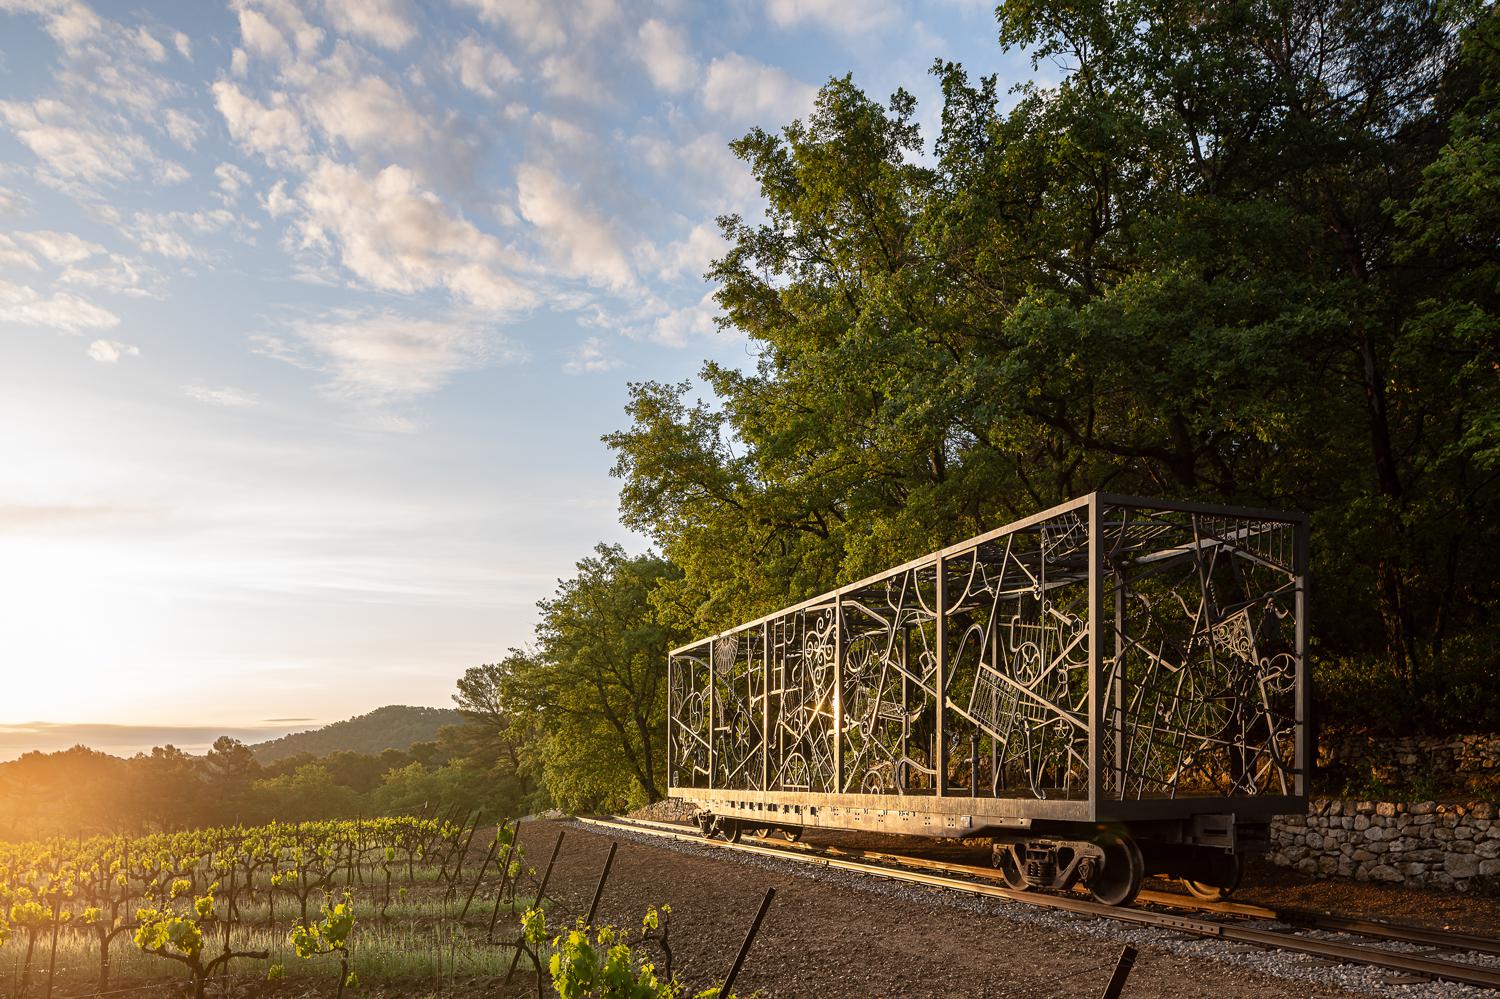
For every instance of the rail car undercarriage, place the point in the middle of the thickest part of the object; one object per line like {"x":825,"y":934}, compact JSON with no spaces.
{"x":1113,"y":688}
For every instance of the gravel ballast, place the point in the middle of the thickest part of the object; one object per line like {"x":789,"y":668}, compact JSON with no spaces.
{"x":837,"y":934}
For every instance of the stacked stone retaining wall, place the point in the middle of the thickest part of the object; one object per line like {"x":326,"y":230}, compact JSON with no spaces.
{"x":1424,"y":843}
{"x":1414,"y":758}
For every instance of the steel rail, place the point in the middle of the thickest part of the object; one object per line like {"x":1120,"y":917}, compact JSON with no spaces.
{"x":1451,"y":971}
{"x":1306,"y":918}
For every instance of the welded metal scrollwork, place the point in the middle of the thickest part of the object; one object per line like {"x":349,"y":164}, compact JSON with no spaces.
{"x":1204,"y":649}
{"x":1110,"y":647}
{"x":803,"y":655}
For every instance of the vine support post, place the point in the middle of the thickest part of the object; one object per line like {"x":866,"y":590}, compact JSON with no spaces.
{"x":490,"y":855}
{"x":739,"y":959}
{"x":504,"y":875}
{"x":1116,"y":983}
{"x":540,"y":891}
{"x":609,"y":862}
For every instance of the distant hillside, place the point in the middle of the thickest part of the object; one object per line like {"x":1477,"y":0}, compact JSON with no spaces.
{"x":395,"y":726}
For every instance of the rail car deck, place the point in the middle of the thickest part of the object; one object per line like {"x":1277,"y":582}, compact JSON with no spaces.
{"x":1112,"y":660}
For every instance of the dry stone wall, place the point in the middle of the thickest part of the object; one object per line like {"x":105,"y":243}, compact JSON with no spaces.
{"x":1425,"y":843}
{"x":1415,"y":758}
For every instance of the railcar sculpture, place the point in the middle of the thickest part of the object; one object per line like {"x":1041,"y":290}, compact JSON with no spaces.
{"x":1111,"y":688}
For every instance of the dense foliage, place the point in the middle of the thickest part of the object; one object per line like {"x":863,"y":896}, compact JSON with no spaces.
{"x":1242,"y":252}
{"x":584,"y":709}
{"x":81,"y":791}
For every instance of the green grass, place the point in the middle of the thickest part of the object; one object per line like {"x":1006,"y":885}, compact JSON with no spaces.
{"x":369,"y":908}
{"x":379,"y":953}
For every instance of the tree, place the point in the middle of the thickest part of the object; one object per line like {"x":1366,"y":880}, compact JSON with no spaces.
{"x":1232,"y":256}
{"x":594,"y":690}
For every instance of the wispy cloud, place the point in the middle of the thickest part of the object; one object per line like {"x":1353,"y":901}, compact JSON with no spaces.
{"x":376,"y":359}
{"x":388,"y":23}
{"x":127,"y":740}
{"x":750,"y":91}
{"x":590,"y":357}
{"x":62,"y":311}
{"x":847,"y":17}
{"x":110,"y":351}
{"x":225,"y":395}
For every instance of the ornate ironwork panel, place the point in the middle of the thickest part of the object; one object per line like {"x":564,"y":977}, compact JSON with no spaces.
{"x":1108,"y":649}
{"x":1202,"y":654}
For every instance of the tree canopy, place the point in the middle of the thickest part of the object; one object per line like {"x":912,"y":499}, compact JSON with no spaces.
{"x":1242,"y":252}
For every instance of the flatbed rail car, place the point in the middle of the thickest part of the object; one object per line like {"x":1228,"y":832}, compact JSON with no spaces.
{"x":1110,"y":688}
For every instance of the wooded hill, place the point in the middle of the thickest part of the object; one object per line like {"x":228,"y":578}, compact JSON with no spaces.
{"x":395,"y":726}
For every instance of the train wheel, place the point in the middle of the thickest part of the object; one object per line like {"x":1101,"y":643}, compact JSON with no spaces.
{"x":1118,"y":881}
{"x":793,"y":835}
{"x":1009,"y":867}
{"x":1224,"y":883}
{"x":731,"y":830}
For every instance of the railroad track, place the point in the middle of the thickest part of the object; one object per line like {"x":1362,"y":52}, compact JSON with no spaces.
{"x":981,"y":881}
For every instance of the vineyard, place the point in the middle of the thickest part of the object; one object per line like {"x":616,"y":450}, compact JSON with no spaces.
{"x":313,"y":908}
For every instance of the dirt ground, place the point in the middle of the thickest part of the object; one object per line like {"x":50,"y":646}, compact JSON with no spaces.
{"x":854,"y":937}
{"x":833,"y":940}
{"x":1266,"y":884}
{"x":1263,"y":884}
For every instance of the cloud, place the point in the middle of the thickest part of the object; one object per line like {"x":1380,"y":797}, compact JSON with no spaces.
{"x":261,"y":37}
{"x":69,"y":22}
{"x":119,"y":274}
{"x":184,"y":45}
{"x":848,"y":17}
{"x":387,"y":23}
{"x":589,"y":357}
{"x":746,"y":90}
{"x":61,"y":311}
{"x":231,"y":179}
{"x":379,"y":358}
{"x":397,"y":236}
{"x":276,"y":29}
{"x":570,"y":74}
{"x":665,"y":51}
{"x":147,"y":43}
{"x":69,"y":147}
{"x":125,"y":740}
{"x":369,"y":114}
{"x":277,"y":202}
{"x":170,"y":234}
{"x":703,"y":166}
{"x":226,"y":396}
{"x":690,"y":256}
{"x":274,"y":131}
{"x":536,"y":24}
{"x":110,"y":351}
{"x":182,"y":127}
{"x":59,"y":247}
{"x":677,"y":326}
{"x":15,"y":256}
{"x":579,"y":237}
{"x":481,"y":68}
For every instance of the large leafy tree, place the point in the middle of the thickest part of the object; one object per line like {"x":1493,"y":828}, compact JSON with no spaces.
{"x":1236,"y":254}
{"x":592,"y":692}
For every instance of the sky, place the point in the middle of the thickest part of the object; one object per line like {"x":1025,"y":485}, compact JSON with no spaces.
{"x":312,"y":315}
